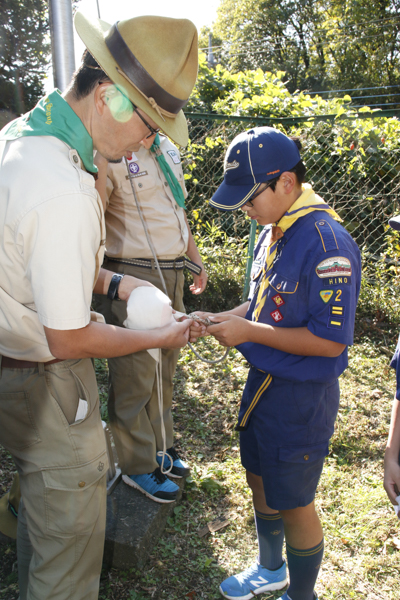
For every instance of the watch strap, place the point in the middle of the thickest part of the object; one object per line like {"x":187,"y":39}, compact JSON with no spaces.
{"x":112,"y":293}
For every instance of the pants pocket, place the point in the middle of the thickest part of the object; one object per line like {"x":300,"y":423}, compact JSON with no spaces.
{"x":17,"y":426}
{"x":74,"y":496}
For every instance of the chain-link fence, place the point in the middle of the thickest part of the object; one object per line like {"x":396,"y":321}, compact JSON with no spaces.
{"x":353,"y":163}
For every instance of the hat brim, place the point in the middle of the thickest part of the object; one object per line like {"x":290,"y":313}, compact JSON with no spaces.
{"x":8,"y":522}
{"x":91,"y":32}
{"x":232,"y":197}
{"x":394,"y":223}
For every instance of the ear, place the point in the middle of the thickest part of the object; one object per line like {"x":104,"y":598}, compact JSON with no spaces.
{"x":103,"y":93}
{"x":289,"y":182}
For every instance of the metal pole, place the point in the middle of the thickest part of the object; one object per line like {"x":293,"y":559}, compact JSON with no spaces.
{"x":98,"y":9}
{"x":249,"y":263}
{"x":62,"y":42}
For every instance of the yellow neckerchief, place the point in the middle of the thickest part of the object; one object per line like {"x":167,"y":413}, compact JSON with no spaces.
{"x":306,"y":203}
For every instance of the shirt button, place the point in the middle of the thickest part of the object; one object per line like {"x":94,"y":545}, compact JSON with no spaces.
{"x":140,"y":185}
{"x":165,"y":183}
{"x":306,"y":457}
{"x":82,"y":484}
{"x":75,"y":158}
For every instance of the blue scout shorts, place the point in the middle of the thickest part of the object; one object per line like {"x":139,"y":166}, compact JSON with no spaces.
{"x":285,"y":427}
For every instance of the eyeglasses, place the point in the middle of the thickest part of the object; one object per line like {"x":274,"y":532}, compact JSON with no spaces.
{"x":261,"y":190}
{"x":149,"y":127}
{"x":135,"y":110}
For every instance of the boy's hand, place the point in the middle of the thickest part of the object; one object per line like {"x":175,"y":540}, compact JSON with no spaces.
{"x":391,"y":480}
{"x":230,"y":330}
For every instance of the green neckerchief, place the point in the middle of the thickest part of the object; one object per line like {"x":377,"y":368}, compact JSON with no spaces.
{"x":169,"y":174}
{"x":53,"y":116}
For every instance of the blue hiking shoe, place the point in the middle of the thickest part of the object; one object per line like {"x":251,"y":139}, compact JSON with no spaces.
{"x":180,"y":469}
{"x":254,"y":580}
{"x":154,"y":485}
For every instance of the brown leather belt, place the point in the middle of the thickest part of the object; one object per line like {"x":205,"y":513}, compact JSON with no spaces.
{"x":13,"y":363}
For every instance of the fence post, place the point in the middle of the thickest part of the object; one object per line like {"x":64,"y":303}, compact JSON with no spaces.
{"x":250,"y":250}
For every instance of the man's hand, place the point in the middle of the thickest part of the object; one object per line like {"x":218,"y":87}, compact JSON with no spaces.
{"x":175,"y":335}
{"x":391,"y":477}
{"x":128,"y":284}
{"x":230,"y":330}
{"x":199,"y":283}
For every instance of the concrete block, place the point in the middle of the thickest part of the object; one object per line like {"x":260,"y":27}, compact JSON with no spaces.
{"x":134,"y":525}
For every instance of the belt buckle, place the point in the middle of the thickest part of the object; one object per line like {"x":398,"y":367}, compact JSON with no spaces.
{"x":174,"y":264}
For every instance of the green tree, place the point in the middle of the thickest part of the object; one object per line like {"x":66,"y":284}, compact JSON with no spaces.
{"x":319,"y":44}
{"x":24,"y":53}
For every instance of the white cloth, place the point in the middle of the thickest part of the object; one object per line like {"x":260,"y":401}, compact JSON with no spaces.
{"x":51,"y":243}
{"x":164,"y":218}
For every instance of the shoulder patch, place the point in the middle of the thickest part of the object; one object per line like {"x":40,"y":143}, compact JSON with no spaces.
{"x":327,"y":235}
{"x":336,"y":266}
{"x":175,"y":156}
{"x":326,"y":295}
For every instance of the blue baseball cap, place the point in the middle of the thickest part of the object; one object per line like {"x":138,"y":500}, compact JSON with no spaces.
{"x":254,"y":157}
{"x":394,"y":223}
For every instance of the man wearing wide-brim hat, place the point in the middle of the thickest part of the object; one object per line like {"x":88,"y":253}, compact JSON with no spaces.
{"x":51,"y":250}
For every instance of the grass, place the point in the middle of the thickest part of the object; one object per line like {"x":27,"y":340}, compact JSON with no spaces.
{"x":362,"y":556}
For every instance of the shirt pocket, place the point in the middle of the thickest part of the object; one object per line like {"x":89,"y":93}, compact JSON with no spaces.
{"x":282,"y":284}
{"x":142,"y":182}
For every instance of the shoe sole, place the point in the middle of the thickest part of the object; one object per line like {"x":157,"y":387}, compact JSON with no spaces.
{"x":176,"y":476}
{"x":135,"y":485}
{"x":270,"y":587}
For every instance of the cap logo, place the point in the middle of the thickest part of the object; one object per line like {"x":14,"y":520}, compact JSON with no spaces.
{"x":231,"y":165}
{"x":273,"y":172}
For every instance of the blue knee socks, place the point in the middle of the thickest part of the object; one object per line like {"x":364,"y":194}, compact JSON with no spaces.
{"x":303,"y":571}
{"x":270,"y":535}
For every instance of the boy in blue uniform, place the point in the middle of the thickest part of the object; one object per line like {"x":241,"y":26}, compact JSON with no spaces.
{"x":294,"y":331}
{"x":391,"y":479}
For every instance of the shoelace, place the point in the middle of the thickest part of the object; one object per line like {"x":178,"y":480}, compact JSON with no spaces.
{"x":158,"y":476}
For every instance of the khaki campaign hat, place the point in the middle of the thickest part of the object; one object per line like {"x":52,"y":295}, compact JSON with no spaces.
{"x":152,"y":60}
{"x":9,"y":504}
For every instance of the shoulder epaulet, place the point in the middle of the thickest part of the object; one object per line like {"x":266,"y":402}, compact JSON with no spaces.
{"x":327,"y":235}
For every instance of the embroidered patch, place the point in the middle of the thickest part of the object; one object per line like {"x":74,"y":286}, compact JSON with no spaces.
{"x":233,"y":165}
{"x":326,"y":295}
{"x":338,"y":281}
{"x":137,"y":175}
{"x":337,"y":310}
{"x":335,"y":323}
{"x":278,"y":300}
{"x":276,"y":315}
{"x":133,"y":167}
{"x":337,"y":266}
{"x":175,"y":158}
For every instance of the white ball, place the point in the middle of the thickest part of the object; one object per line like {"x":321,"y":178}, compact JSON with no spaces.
{"x":148,"y":308}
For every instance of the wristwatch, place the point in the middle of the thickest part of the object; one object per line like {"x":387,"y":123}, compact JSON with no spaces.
{"x":112,"y":293}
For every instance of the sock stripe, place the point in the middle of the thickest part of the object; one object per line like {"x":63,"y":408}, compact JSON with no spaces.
{"x":266,"y":517}
{"x":309,"y":552}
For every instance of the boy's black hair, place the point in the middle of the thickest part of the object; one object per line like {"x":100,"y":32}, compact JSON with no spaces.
{"x":299,"y":170}
{"x":87,"y":76}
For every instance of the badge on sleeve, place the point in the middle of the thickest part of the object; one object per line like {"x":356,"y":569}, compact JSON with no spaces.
{"x":336,"y":266}
{"x":335,"y":323}
{"x":337,"y":310}
{"x":326,"y":295}
{"x":276,"y":315}
{"x":175,"y":157}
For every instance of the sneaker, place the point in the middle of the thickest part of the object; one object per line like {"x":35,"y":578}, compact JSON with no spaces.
{"x":154,"y":485}
{"x":179,"y":469}
{"x":254,"y":580}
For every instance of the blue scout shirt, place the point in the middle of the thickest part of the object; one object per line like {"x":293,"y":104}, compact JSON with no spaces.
{"x":395,"y":364}
{"x":315,"y":284}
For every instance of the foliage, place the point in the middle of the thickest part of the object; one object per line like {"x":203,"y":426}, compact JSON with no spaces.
{"x":24,"y":53}
{"x":320,"y":45}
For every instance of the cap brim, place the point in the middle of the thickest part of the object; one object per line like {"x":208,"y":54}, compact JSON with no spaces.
{"x":394,"y":223}
{"x":232,"y":197}
{"x":8,"y":522}
{"x":91,"y":32}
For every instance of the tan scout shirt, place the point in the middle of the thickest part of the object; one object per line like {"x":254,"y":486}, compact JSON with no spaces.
{"x":165,"y":219}
{"x":51,"y":226}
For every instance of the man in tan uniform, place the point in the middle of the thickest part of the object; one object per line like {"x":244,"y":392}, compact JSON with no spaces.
{"x":133,"y":400}
{"x":52,"y":237}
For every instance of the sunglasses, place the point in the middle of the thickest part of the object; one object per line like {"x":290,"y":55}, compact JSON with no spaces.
{"x":261,"y":190}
